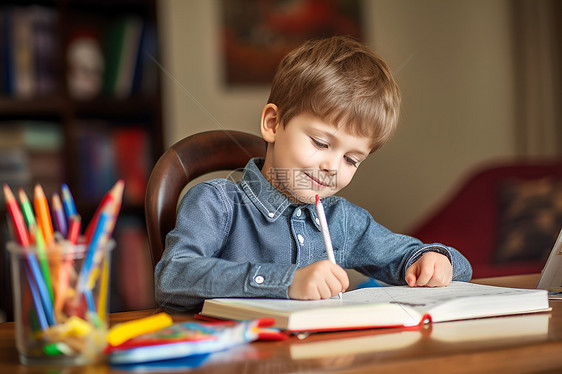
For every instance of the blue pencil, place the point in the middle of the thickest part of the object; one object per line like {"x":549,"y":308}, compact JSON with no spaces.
{"x":36,"y":301}
{"x":41,"y":287}
{"x":68,"y":202}
{"x":92,"y":247}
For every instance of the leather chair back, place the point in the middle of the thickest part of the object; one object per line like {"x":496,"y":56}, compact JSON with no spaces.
{"x":184,"y":161}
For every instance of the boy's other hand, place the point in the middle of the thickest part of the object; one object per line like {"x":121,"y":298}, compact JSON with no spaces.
{"x":320,"y":280}
{"x":431,"y":270}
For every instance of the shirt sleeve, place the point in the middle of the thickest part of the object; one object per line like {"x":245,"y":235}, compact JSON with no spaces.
{"x":191,"y":269}
{"x":377,"y":252}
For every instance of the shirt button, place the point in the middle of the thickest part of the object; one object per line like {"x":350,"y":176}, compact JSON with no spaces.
{"x":259,"y":279}
{"x":317,"y":221}
{"x":271,"y":215}
{"x":298,"y":212}
{"x":300,"y":238}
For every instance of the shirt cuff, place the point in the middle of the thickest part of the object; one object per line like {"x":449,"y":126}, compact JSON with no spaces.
{"x":269,"y":280}
{"x":439,"y":248}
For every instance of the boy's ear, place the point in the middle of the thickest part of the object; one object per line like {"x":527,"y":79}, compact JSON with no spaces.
{"x":269,"y":122}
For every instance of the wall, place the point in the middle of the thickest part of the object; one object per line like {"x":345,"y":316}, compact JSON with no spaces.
{"x":452,"y":59}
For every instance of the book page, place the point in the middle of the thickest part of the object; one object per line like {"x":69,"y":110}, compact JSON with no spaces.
{"x":419,"y":298}
{"x":425,"y":298}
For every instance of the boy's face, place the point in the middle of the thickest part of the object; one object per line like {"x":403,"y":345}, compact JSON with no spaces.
{"x":309,"y":156}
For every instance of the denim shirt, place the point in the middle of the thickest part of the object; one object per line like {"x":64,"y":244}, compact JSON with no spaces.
{"x":246,"y":239}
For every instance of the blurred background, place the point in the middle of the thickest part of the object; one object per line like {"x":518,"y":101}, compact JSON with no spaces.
{"x":92,"y":91}
{"x":480,"y":81}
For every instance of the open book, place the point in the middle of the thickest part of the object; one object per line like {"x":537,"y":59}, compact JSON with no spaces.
{"x":383,"y":307}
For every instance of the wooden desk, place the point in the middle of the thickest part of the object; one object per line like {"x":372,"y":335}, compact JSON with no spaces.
{"x":525,"y":343}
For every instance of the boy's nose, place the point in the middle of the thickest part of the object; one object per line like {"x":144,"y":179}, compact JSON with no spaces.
{"x":329,"y":166}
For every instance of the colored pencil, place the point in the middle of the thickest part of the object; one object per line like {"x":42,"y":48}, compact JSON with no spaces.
{"x":114,"y":206}
{"x":74,"y":228}
{"x":41,"y":287}
{"x":33,"y":273}
{"x":48,"y":272}
{"x":104,"y":289}
{"x":62,"y":285}
{"x":17,"y":218}
{"x":115,"y":194}
{"x":112,"y":209}
{"x":43,"y":215}
{"x":44,"y":263}
{"x":61,"y":290}
{"x":68,"y":202}
{"x":58,"y":215}
{"x":92,"y":247}
{"x":28,"y":214}
{"x":89,"y":300}
{"x":42,"y":319}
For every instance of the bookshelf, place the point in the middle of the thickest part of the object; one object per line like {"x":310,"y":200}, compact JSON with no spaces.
{"x":80,"y":104}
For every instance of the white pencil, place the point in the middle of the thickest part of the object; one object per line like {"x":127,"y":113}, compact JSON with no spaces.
{"x":325,"y":232}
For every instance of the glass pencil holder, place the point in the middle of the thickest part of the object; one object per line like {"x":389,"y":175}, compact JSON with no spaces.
{"x":61,"y":302}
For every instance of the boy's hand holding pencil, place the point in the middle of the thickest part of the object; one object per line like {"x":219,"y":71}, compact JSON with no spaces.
{"x":322,"y":279}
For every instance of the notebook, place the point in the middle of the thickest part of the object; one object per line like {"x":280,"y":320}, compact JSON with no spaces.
{"x":551,"y":275}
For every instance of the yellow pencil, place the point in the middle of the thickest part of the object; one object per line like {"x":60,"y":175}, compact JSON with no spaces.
{"x":104,"y":285}
{"x":122,"y":332}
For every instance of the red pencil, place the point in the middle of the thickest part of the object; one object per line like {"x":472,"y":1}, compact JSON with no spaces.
{"x":74,"y":228}
{"x":17,"y":217}
{"x":115,"y":196}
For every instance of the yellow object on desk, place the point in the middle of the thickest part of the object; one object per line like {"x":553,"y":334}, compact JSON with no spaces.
{"x":122,"y":332}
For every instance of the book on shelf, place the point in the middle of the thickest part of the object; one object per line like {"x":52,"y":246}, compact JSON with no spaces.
{"x":145,"y":79}
{"x":95,"y":157}
{"x":131,"y":148}
{"x":31,"y":152}
{"x":122,"y":43}
{"x":29,"y":48}
{"x":46,"y":50}
{"x":394,"y":306}
{"x":22,"y":44}
{"x":6,"y":50}
{"x":107,"y":152}
{"x":102,"y":57}
{"x":14,"y":167}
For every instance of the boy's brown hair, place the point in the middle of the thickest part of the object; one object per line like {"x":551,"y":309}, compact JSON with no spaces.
{"x":339,"y":80}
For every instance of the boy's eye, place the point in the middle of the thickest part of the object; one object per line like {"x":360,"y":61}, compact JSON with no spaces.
{"x":351,"y":161}
{"x":319,"y":144}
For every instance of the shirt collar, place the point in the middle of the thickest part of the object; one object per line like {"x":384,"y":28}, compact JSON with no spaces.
{"x":267,"y":199}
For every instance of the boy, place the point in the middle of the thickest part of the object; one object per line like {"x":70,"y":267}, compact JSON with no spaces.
{"x":332,"y":103}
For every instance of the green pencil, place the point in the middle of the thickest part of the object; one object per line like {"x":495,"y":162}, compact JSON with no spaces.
{"x":42,"y":254}
{"x":36,"y":233}
{"x":28,"y":214}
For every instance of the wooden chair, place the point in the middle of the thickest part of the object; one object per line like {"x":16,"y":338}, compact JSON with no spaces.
{"x":184,"y":161}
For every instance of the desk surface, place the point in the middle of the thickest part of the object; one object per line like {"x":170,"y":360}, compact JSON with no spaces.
{"x":524,"y":343}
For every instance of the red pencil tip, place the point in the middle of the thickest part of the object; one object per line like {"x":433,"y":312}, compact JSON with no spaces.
{"x":317,"y":199}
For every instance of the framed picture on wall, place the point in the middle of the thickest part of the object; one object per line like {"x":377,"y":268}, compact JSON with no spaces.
{"x":256,"y":34}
